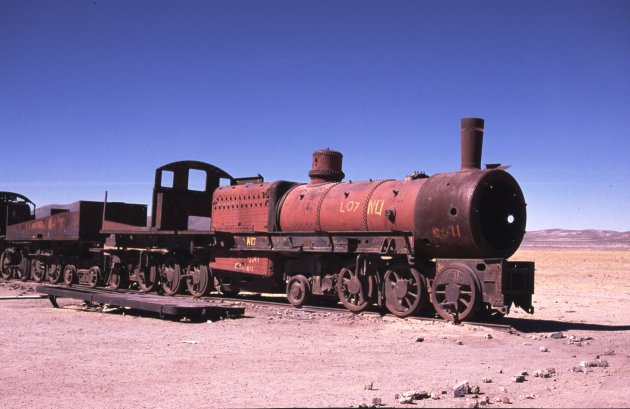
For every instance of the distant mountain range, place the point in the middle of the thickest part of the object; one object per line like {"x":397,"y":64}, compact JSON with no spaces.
{"x":577,"y":238}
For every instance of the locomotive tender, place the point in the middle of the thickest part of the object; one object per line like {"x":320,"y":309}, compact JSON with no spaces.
{"x":404,"y":244}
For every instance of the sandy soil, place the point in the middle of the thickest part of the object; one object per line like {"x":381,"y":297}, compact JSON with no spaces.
{"x":283,"y":357}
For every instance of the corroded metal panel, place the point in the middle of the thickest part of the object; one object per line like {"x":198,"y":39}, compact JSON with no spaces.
{"x":260,"y":266}
{"x":241,"y":208}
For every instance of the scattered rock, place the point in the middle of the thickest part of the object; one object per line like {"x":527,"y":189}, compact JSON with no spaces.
{"x":518,"y":378}
{"x":369,"y":386}
{"x":543,"y":349}
{"x":486,"y":380}
{"x":458,"y":342}
{"x":377,"y":402}
{"x":405,"y":400}
{"x":505,"y":399}
{"x":545,"y":373}
{"x":595,"y":363}
{"x":608,"y":352}
{"x":461,"y":389}
{"x":488,"y":336}
{"x":420,"y":339}
{"x":435,"y":396}
{"x":557,"y":335}
{"x":472,"y":404}
{"x":190,"y":341}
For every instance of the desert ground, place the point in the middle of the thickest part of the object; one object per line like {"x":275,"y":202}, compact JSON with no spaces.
{"x":573,"y":352}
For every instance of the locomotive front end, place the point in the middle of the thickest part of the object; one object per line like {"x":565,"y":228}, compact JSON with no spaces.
{"x":473,"y":212}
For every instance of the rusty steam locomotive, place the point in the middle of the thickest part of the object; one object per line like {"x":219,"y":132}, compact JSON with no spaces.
{"x":407,"y":244}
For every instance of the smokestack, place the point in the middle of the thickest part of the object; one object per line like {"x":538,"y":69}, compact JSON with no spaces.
{"x":472,"y":143}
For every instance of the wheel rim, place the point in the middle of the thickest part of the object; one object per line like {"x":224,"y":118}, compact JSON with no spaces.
{"x":6,"y":262}
{"x":404,"y":289}
{"x":93,"y":276}
{"x":53,"y":270}
{"x":198,"y":279}
{"x":147,"y":278}
{"x":118,"y":276}
{"x":455,"y":294}
{"x":171,"y":279}
{"x":298,"y":291}
{"x":38,"y":270}
{"x":69,"y":274}
{"x":352,"y":293}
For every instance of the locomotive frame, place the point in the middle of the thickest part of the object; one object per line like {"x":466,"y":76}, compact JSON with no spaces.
{"x":442,"y":240}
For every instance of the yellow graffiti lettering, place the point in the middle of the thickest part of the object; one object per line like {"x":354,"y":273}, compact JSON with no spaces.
{"x":349,"y":206}
{"x":250,"y":241}
{"x":376,"y":207}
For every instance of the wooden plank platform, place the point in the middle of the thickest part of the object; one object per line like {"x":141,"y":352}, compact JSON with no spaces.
{"x":160,"y":304}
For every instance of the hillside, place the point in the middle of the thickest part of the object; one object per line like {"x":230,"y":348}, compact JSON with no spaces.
{"x":577,"y":239}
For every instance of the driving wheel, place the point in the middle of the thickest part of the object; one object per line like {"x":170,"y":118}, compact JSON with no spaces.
{"x":171,"y":275}
{"x":405,"y":290}
{"x":198,"y":278}
{"x":354,"y":289}
{"x":455,"y":293}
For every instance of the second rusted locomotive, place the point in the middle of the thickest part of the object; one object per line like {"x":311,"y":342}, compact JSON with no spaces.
{"x":405,"y":244}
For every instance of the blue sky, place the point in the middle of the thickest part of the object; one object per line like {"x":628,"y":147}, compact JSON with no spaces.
{"x":94,"y":95}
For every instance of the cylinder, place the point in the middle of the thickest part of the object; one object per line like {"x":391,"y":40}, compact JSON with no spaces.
{"x":472,"y":143}
{"x":326,"y":167}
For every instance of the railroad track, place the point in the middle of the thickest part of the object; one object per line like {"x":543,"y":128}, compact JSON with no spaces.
{"x":281,"y":302}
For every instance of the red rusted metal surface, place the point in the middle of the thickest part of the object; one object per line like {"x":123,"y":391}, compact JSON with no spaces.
{"x":83,"y":224}
{"x":259,"y":266}
{"x":248,"y":207}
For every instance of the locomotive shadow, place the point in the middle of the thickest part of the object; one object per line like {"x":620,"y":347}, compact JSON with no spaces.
{"x":533,"y":325}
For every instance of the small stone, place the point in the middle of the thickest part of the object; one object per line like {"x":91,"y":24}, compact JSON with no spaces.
{"x":377,"y":401}
{"x":524,"y":373}
{"x":486,"y":380}
{"x":500,"y":371}
{"x":482,"y":403}
{"x":458,"y":342}
{"x":596,"y":363}
{"x":435,"y":396}
{"x":420,"y":339}
{"x":369,"y":386}
{"x":609,"y":352}
{"x":503,"y":389}
{"x":405,"y":400}
{"x":488,"y":336}
{"x":505,"y":399}
{"x":545,"y":373}
{"x":543,"y":349}
{"x":461,"y":389}
{"x":472,"y":404}
{"x":518,"y":379}
{"x":557,"y":335}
